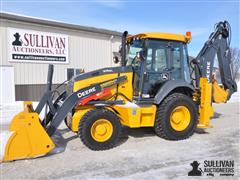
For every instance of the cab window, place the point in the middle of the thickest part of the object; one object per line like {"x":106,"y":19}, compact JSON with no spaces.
{"x":133,"y":48}
{"x":186,"y":64}
{"x":176,"y":56}
{"x":156,"y":56}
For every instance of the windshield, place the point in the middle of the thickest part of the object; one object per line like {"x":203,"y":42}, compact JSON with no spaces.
{"x":132,"y":49}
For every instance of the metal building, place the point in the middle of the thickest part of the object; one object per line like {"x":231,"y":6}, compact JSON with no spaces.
{"x":25,"y":43}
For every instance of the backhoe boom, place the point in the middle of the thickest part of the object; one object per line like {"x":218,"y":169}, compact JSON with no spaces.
{"x":217,"y":44}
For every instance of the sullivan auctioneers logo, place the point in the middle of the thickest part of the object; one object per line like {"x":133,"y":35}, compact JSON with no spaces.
{"x":212,"y":168}
{"x":35,"y":46}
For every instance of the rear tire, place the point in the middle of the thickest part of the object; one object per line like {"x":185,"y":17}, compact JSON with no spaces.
{"x":99,"y":129}
{"x":181,"y":125}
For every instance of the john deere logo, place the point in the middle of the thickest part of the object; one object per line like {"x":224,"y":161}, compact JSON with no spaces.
{"x":196,"y":171}
{"x":86,"y":92}
{"x":17,"y":41}
{"x":164,"y":76}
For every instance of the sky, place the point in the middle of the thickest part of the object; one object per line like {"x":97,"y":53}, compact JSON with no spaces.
{"x":197,"y":16}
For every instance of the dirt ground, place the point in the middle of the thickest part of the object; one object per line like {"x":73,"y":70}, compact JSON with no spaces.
{"x":139,"y":155}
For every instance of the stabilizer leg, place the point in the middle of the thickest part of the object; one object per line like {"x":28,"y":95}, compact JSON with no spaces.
{"x":205,"y":110}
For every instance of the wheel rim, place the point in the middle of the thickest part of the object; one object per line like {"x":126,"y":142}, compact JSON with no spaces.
{"x":101,"y":130}
{"x":180,"y":118}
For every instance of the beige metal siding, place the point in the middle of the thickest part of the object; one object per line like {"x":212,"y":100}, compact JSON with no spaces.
{"x":86,"y":50}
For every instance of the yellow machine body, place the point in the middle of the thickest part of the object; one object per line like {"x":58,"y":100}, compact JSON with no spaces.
{"x":136,"y":116}
{"x":143,"y":116}
{"x":28,"y":139}
{"x":129,"y":116}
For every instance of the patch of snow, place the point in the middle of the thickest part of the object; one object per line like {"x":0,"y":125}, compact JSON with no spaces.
{"x":8,"y":111}
{"x":4,"y":137}
{"x":236,"y":96}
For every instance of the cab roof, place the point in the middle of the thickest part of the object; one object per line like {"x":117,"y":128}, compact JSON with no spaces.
{"x":166,"y":36}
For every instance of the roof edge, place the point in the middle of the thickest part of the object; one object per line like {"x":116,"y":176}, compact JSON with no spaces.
{"x":27,"y":19}
{"x":162,"y":35}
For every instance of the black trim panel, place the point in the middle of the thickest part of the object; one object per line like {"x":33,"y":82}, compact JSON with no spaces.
{"x":99,"y":72}
{"x":167,"y":87}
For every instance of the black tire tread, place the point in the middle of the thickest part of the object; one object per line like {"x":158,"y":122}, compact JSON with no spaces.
{"x":159,"y":123}
{"x":85,"y":119}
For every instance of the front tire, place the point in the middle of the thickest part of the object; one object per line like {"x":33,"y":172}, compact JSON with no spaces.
{"x":176,"y":117}
{"x":99,"y":129}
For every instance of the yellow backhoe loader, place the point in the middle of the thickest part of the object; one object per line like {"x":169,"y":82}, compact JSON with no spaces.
{"x":155,"y":86}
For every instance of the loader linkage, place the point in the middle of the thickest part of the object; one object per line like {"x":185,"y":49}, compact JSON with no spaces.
{"x":26,"y":127}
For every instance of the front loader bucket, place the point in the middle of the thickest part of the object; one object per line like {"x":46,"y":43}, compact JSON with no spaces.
{"x":26,"y":137}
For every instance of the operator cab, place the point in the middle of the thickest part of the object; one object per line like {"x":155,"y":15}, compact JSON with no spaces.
{"x":155,"y":59}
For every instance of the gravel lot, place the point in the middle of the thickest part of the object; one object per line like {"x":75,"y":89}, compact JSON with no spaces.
{"x":140,"y":154}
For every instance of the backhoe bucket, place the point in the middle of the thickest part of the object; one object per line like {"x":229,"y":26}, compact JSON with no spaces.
{"x":26,"y":137}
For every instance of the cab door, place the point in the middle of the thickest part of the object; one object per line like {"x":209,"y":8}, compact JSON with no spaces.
{"x":163,"y":63}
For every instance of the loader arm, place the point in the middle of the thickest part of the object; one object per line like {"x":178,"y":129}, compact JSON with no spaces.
{"x":82,"y":97}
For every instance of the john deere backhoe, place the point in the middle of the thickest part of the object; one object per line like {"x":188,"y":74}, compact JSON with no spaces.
{"x":155,"y":86}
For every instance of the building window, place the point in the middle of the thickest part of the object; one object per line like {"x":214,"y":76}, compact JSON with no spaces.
{"x":73,"y":72}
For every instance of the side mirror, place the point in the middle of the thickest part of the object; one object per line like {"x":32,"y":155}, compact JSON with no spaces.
{"x":116,"y":57}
